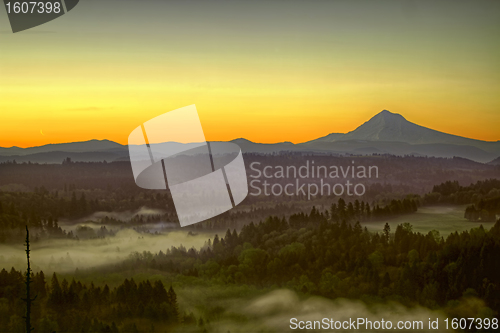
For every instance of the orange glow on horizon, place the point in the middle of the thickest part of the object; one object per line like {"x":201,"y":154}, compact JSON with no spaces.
{"x":293,"y":78}
{"x":265,"y":129}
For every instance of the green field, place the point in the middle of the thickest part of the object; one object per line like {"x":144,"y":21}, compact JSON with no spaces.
{"x":445,"y":219}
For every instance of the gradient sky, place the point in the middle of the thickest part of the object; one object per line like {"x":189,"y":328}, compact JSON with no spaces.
{"x":268,"y":71}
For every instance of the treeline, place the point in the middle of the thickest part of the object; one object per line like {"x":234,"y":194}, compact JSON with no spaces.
{"x":312,"y":254}
{"x":451,"y":192}
{"x":41,"y":211}
{"x":485,"y":210}
{"x":361,"y":211}
{"x":483,"y":197}
{"x":42,"y":204}
{"x":77,"y":307}
{"x":78,"y":175}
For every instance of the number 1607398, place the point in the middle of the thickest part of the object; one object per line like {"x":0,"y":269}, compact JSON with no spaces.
{"x":33,"y":7}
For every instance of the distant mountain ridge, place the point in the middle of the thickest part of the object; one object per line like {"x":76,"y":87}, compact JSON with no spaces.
{"x":74,"y":147}
{"x":496,"y":161}
{"x":385,"y":133}
{"x":388,"y":133}
{"x":393,"y":127}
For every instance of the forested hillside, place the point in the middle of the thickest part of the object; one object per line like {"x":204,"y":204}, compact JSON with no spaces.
{"x":308,"y":253}
{"x":42,"y":210}
{"x":76,"y":307}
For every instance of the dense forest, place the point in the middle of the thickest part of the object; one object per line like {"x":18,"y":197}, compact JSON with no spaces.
{"x":42,"y":210}
{"x":76,"y":307}
{"x":485,"y":210}
{"x":41,"y":195}
{"x":451,"y":192}
{"x":309,"y":253}
{"x":484,"y":197}
{"x":315,"y":247}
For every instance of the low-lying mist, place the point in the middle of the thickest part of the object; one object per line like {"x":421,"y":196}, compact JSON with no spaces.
{"x":123,"y":216}
{"x":272,"y":313}
{"x":65,"y":255}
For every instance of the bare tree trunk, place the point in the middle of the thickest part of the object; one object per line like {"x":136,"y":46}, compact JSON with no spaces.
{"x":28,"y":298}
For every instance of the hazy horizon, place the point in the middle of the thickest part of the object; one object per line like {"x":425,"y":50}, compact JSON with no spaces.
{"x":238,"y":138}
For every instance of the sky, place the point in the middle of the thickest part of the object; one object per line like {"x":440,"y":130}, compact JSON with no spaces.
{"x":268,"y":71}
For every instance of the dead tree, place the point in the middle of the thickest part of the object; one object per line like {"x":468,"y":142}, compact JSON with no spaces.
{"x":28,"y":298}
